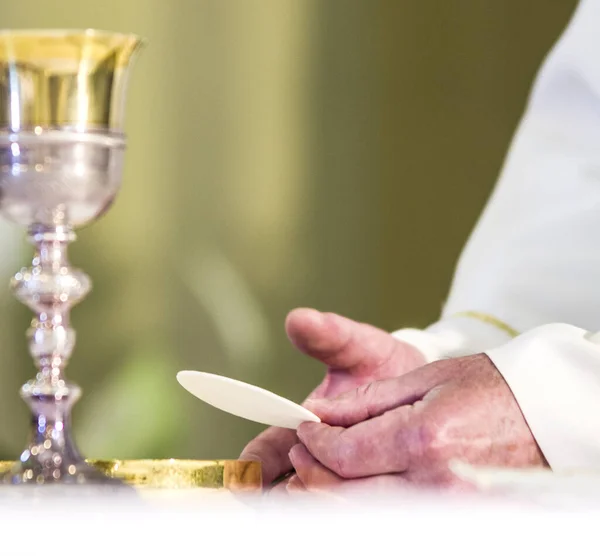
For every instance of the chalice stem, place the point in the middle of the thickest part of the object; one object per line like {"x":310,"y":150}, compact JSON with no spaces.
{"x":50,"y":287}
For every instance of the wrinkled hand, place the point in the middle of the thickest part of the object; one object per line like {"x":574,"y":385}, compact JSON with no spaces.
{"x":355,"y":354}
{"x":404,"y":431}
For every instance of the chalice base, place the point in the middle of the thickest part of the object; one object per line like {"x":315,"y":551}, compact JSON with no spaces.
{"x":70,"y":473}
{"x":51,"y":455}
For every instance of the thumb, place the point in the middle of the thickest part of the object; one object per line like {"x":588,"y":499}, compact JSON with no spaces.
{"x":340,"y":342}
{"x":375,"y":398}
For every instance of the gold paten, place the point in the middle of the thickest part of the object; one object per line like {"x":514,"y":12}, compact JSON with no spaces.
{"x":233,"y":475}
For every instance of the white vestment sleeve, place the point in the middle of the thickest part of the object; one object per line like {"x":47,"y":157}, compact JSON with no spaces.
{"x":554,"y":374}
{"x":534,"y":256}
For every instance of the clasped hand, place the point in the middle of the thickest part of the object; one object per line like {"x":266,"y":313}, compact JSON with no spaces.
{"x":387,"y":419}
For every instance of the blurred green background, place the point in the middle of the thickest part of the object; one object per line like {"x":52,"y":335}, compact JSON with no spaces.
{"x":282,"y":153}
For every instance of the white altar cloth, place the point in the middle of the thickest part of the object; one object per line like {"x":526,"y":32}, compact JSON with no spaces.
{"x":516,"y":513}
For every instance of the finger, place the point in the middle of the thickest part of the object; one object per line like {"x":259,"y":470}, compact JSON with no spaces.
{"x":375,"y":398}
{"x":316,"y":478}
{"x":384,"y":444}
{"x":271,"y":448}
{"x":295,"y":485}
{"x":340,"y":342}
{"x":309,"y":472}
{"x":281,"y":488}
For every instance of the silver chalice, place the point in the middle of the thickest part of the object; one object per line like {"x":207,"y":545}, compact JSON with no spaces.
{"x":62,"y":101}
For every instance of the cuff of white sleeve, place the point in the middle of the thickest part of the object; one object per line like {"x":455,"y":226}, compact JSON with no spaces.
{"x":553,"y":372}
{"x":455,"y":336}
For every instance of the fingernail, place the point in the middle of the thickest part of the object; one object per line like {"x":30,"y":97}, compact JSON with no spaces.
{"x":306,"y":312}
{"x":310,"y":404}
{"x":295,"y":485}
{"x":315,"y":404}
{"x":315,"y":313}
{"x":293,"y":453}
{"x":304,"y":430}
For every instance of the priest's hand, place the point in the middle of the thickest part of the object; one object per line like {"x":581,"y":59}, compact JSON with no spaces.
{"x":355,"y":354}
{"x":404,"y":431}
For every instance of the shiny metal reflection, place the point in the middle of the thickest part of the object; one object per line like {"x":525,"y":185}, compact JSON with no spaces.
{"x":64,"y":78}
{"x":232,"y":475}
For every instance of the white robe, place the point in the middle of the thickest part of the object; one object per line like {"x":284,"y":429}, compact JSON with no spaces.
{"x":533,"y":258}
